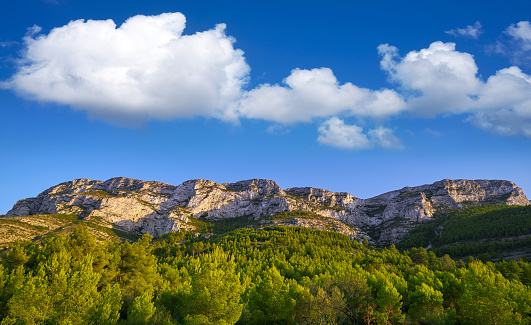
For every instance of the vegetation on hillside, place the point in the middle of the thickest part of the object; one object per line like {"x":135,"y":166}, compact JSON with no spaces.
{"x":488,"y":230}
{"x":281,"y":275}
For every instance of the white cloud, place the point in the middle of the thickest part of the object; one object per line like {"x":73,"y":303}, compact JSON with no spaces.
{"x":522,"y":33}
{"x":146,"y":68}
{"x":384,"y":138}
{"x":469,"y":31}
{"x":517,"y":47}
{"x":504,"y":104}
{"x":307,"y":94}
{"x":143,"y":69}
{"x":439,"y":78}
{"x":504,"y":122}
{"x":335,"y":133}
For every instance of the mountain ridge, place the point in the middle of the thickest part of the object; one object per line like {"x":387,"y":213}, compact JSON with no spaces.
{"x":137,"y":206}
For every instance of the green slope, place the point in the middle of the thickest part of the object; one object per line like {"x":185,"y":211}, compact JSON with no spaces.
{"x":496,"y":230}
{"x":37,"y":227}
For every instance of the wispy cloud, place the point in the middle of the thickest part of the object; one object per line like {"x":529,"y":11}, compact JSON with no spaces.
{"x":8,"y":43}
{"x":470,"y":31}
{"x":433,"y":133}
{"x":278,"y":129}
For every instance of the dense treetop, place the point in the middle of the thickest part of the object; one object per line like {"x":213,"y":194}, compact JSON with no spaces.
{"x":281,"y":275}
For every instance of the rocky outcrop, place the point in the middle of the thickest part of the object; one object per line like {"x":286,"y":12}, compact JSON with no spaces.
{"x":326,"y":224}
{"x":158,"y":208}
{"x":395,"y":213}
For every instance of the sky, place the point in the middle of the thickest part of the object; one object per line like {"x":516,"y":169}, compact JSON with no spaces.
{"x":362,"y":97}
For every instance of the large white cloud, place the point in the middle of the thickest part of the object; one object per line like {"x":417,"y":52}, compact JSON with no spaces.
{"x":307,"y":94}
{"x":335,"y":133}
{"x":441,"y":80}
{"x":146,"y":68}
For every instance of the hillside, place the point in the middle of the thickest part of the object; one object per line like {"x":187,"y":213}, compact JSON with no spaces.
{"x":252,"y":253}
{"x":39,"y":226}
{"x":490,"y":231}
{"x":122,"y":207}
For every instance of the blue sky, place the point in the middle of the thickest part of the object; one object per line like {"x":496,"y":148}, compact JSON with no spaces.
{"x":363,"y":97}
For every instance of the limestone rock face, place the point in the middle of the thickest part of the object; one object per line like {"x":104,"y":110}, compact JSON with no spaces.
{"x":158,"y":208}
{"x":396,"y":212}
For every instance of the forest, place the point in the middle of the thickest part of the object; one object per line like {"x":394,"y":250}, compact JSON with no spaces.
{"x":487,"y":231}
{"x":279,"y":275}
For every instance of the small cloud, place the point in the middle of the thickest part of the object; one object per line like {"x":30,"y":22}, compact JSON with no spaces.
{"x":8,"y":43}
{"x":469,"y":31}
{"x":32,"y":31}
{"x":515,"y":44}
{"x":335,"y":133}
{"x":433,"y":132}
{"x":497,"y":48}
{"x":384,"y":138}
{"x":521,"y":33}
{"x":277,"y":129}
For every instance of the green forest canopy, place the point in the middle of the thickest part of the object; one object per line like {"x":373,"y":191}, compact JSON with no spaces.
{"x":281,"y":275}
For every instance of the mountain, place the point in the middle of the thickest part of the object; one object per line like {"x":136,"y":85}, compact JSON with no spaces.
{"x":133,"y":207}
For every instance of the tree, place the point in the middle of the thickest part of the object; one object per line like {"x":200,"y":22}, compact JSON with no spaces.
{"x":215,"y":290}
{"x":425,"y":302}
{"x":142,"y":309}
{"x":272,"y":298}
{"x":61,"y":293}
{"x":16,"y":256}
{"x":389,"y":302}
{"x":356,"y":295}
{"x":321,"y":302}
{"x":485,"y":298}
{"x":138,"y":269}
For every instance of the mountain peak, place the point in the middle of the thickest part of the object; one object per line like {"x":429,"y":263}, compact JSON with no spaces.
{"x":138,"y":206}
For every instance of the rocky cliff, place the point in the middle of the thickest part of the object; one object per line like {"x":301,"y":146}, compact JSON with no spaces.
{"x":146,"y":206}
